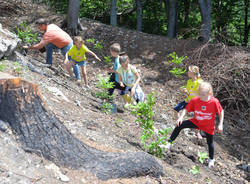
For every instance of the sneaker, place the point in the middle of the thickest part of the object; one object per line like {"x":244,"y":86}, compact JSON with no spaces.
{"x":211,"y":163}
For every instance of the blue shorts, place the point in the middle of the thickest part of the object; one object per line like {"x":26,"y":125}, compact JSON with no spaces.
{"x":81,"y":63}
{"x":180,"y":106}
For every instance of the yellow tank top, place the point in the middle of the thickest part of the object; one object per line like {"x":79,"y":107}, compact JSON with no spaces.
{"x":192,"y":88}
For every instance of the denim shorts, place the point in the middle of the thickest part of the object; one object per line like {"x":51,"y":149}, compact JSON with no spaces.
{"x":180,"y":106}
{"x":139,"y":95}
{"x":81,"y":63}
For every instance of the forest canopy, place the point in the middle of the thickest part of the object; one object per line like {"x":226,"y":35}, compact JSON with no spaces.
{"x":230,"y":22}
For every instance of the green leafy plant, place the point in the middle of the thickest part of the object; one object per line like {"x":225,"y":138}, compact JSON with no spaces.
{"x":17,"y":68}
{"x":25,"y":34}
{"x":177,"y":71}
{"x":176,"y":61}
{"x":202,"y":156}
{"x":104,"y":84}
{"x":91,"y":40}
{"x":2,"y":67}
{"x":106,"y":107}
{"x":151,"y":138}
{"x":195,"y":170}
{"x":208,"y":180}
{"x":107,"y":59}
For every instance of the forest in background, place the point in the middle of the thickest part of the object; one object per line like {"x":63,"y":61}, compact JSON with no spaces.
{"x":230,"y":22}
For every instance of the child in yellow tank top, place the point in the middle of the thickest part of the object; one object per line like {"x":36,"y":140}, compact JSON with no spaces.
{"x":191,"y":91}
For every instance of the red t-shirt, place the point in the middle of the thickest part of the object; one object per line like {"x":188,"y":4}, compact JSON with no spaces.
{"x":57,"y":36}
{"x":204,"y":113}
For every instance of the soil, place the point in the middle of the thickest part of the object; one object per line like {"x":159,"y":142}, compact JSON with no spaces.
{"x":81,"y":111}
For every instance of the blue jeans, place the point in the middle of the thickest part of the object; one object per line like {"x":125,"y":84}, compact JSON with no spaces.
{"x":49,"y":51}
{"x":76,"y":68}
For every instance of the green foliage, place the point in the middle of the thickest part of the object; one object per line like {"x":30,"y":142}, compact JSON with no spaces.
{"x":17,"y":68}
{"x":195,"y":170}
{"x":106,"y":107}
{"x":104,"y":84}
{"x":25,"y":34}
{"x":2,"y":67}
{"x":91,"y":40}
{"x":177,"y":71}
{"x":202,"y":156}
{"x":227,"y":21}
{"x":208,"y":180}
{"x":108,"y":60}
{"x":176,"y":61}
{"x":151,"y":137}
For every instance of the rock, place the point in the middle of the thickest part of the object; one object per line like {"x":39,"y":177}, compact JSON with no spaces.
{"x":58,"y":93}
{"x":8,"y":42}
{"x":3,"y":126}
{"x":245,"y":168}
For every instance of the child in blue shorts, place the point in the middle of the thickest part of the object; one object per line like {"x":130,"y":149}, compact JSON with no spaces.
{"x":78,"y":58}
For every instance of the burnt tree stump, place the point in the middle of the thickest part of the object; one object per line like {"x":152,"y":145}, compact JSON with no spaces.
{"x":40,"y":131}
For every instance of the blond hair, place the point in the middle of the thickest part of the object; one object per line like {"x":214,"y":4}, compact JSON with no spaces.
{"x":194,"y":69}
{"x":115,"y":47}
{"x":78,"y":39}
{"x":208,"y":86}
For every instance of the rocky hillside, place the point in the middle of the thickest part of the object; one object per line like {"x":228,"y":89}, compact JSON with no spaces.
{"x":80,"y":110}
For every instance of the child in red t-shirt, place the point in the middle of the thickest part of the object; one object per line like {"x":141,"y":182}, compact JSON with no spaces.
{"x":205,"y":108}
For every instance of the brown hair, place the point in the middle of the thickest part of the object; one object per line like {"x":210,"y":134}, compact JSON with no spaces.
{"x":115,"y":47}
{"x":78,"y":39}
{"x":123,"y":57}
{"x":41,"y":21}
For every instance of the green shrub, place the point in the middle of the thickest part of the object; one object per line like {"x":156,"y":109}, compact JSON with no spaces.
{"x":25,"y":34}
{"x":151,"y":137}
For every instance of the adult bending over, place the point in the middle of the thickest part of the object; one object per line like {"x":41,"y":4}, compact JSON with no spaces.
{"x":54,"y":38}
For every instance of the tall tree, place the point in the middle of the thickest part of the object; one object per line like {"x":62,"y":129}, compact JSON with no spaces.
{"x":139,"y":15}
{"x":113,"y":13}
{"x":205,"y":8}
{"x":72,"y":17}
{"x":246,"y":24}
{"x":172,"y":14}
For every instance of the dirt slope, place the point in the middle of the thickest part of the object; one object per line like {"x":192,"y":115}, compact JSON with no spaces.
{"x":81,"y":113}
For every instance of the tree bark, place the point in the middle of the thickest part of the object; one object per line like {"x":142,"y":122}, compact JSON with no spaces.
{"x":187,"y":4}
{"x":139,"y":15}
{"x":41,"y":132}
{"x":205,"y":8}
{"x":246,"y":25}
{"x":171,"y":11}
{"x":72,"y":17}
{"x":113,"y":13}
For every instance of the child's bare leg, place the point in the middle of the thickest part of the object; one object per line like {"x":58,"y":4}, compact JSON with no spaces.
{"x":198,"y":135}
{"x":84,"y":74}
{"x":176,"y":115}
{"x":68,"y":66}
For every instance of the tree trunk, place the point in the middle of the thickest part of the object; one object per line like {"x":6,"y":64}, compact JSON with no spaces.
{"x":72,"y":17}
{"x":246,"y":25}
{"x":205,"y":8}
{"x":187,"y":4}
{"x":139,"y":15}
{"x":41,"y":132}
{"x":113,"y":13}
{"x":171,"y":11}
